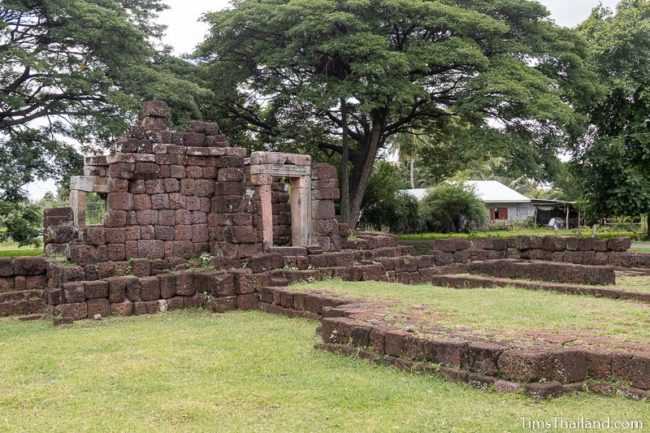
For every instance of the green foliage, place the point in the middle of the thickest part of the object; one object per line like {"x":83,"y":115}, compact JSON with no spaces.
{"x":398,"y":213}
{"x":452,"y":208}
{"x":614,"y":167}
{"x":601,"y":233}
{"x":78,"y":70}
{"x":613,"y":184}
{"x":206,"y":259}
{"x":384,"y":207}
{"x":21,"y":222}
{"x":282,"y":66}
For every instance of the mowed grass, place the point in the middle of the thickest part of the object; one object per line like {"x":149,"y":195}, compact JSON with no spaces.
{"x":640,"y":247}
{"x":532,"y":231}
{"x":639,"y":283}
{"x":194,"y":371}
{"x":11,"y":249}
{"x":506,"y":311}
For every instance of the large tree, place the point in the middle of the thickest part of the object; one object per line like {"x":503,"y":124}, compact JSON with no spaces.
{"x":76,"y":71}
{"x":614,"y":161}
{"x":289,"y":68}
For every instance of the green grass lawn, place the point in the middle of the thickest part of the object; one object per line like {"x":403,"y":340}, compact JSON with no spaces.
{"x":640,"y":247}
{"x":506,"y":312}
{"x":240,"y":372}
{"x":634,"y":283}
{"x":536,"y":231}
{"x":11,"y":249}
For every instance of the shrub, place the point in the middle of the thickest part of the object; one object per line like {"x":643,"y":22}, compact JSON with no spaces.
{"x":398,"y":213}
{"x":452,"y":208}
{"x":384,"y":207}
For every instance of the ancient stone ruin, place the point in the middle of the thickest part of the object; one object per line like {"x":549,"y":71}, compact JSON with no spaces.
{"x":177,"y":195}
{"x":192,"y":221}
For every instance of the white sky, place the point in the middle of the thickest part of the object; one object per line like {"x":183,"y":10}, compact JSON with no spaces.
{"x":185,"y":31}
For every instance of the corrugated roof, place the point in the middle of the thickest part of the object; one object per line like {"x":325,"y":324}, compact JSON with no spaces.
{"x":490,"y":191}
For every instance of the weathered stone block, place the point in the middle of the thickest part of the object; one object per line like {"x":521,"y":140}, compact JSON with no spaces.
{"x":153,"y":249}
{"x":119,"y":201}
{"x":73,"y":293}
{"x":230,"y":174}
{"x":6,"y":267}
{"x":96,"y":289}
{"x":185,"y":283}
{"x":167,"y":285}
{"x":98,"y":306}
{"x":74,"y":311}
{"x":124,"y":308}
{"x":620,"y":244}
{"x":141,"y":202}
{"x":149,"y":288}
{"x":146,"y":170}
{"x":160,"y":201}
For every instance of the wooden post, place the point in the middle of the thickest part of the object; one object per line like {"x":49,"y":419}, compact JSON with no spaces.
{"x":567,"y":216}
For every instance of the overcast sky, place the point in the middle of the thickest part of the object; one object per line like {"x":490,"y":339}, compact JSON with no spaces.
{"x":185,"y":31}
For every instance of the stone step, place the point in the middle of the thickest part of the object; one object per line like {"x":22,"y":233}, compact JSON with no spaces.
{"x":465,"y":281}
{"x":289,"y":251}
{"x":278,"y":282}
{"x":22,"y":307}
{"x":20,"y":295}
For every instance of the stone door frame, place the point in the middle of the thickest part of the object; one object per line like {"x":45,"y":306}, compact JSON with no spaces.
{"x":79,"y":186}
{"x":297,"y":168}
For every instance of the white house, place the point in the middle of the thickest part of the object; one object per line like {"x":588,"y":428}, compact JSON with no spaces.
{"x":503,"y":203}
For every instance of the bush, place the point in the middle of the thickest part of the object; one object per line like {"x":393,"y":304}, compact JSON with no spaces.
{"x":384,"y":207}
{"x":452,"y":208}
{"x":21,"y":222}
{"x":399,"y":214}
{"x":510,"y":225}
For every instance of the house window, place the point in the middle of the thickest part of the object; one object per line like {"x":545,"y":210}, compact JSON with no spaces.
{"x":499,"y":213}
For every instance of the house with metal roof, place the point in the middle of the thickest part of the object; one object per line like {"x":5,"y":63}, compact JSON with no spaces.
{"x":503,"y":203}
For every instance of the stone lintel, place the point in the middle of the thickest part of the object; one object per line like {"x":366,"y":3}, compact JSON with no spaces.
{"x":89,"y":183}
{"x":282,"y":170}
{"x":278,"y":158}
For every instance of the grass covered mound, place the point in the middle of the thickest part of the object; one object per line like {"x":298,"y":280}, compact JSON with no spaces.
{"x":193,"y":371}
{"x":502,"y":313}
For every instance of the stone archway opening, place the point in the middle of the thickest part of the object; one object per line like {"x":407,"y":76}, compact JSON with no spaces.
{"x":295,"y":170}
{"x":83,"y":188}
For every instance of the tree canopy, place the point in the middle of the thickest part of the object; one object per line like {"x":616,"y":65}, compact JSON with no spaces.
{"x":77,"y":71}
{"x":288,"y":67}
{"x":73,"y":73}
{"x":614,"y":161}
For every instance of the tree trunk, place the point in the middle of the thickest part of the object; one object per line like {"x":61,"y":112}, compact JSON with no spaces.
{"x":648,"y":225}
{"x":363,"y":165}
{"x":411,"y":172}
{"x":345,"y":166}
